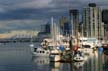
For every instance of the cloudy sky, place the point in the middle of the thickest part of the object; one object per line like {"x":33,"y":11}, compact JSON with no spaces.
{"x":28,"y":14}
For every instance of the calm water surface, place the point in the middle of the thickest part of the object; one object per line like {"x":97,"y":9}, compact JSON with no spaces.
{"x":18,"y":57}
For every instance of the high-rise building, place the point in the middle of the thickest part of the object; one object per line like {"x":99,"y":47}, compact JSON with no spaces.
{"x":105,"y":18}
{"x":74,"y":18}
{"x":64,"y":26}
{"x":47,"y":28}
{"x":92,"y":22}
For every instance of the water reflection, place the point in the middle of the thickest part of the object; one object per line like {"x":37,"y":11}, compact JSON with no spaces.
{"x":40,"y":60}
{"x":78,"y":64}
{"x":55,"y":66}
{"x":40,"y":63}
{"x":94,"y":63}
{"x":105,"y":65}
{"x":106,"y":52}
{"x":18,"y":57}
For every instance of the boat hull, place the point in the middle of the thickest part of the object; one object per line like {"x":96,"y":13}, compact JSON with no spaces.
{"x":55,"y":58}
{"x":78,"y":59}
{"x":40,"y":55}
{"x":40,"y":52}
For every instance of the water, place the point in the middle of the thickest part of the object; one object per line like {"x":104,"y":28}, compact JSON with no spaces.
{"x":18,"y":57}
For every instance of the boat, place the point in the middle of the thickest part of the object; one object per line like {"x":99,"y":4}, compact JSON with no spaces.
{"x":42,"y":48}
{"x":105,"y":46}
{"x":92,"y":42}
{"x":86,"y":49}
{"x":78,"y":57}
{"x":55,"y":55}
{"x":39,"y":51}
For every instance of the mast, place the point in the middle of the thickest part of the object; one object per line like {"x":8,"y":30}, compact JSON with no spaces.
{"x":53,"y":31}
{"x":52,"y":28}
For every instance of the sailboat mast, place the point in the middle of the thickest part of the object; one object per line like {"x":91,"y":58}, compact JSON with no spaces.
{"x":52,"y":27}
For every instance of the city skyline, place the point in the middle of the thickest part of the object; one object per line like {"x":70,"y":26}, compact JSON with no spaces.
{"x":15,"y":14}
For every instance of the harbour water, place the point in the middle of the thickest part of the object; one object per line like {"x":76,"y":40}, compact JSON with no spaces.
{"x":18,"y":57}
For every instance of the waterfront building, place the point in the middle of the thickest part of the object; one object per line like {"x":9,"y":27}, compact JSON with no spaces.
{"x":65,"y":26}
{"x":47,"y":28}
{"x":92,"y":22}
{"x":74,"y":18}
{"x":105,"y":20}
{"x":105,"y":16}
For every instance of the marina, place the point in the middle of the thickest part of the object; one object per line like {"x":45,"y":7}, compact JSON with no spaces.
{"x":53,"y":35}
{"x":18,"y":57}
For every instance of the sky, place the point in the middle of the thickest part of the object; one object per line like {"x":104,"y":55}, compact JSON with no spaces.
{"x":28,"y":14}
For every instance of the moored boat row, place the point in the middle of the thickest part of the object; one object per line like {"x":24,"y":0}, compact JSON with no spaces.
{"x":59,"y":47}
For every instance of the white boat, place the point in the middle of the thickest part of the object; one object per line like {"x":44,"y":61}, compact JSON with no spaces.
{"x":78,"y":57}
{"x":93,"y":42}
{"x":55,"y":55}
{"x":40,"y":52}
{"x":86,"y":49}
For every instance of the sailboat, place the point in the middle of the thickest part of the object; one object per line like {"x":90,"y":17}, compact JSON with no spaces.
{"x":41,"y":50}
{"x":54,"y":53}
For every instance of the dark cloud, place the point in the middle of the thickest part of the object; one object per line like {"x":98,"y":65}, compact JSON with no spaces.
{"x":35,"y":9}
{"x":20,"y":14}
{"x":28,"y":13}
{"x":39,"y":10}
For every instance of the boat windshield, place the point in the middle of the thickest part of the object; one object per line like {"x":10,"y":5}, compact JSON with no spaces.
{"x":78,"y":52}
{"x":91,"y":39}
{"x":54,"y":53}
{"x":35,"y":49}
{"x":86,"y":46}
{"x":52,"y":47}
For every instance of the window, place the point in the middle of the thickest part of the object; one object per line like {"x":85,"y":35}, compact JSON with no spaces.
{"x":42,"y":51}
{"x":35,"y":49}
